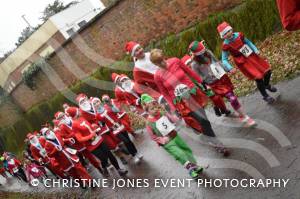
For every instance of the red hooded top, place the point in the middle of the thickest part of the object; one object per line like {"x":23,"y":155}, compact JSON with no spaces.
{"x":289,"y":13}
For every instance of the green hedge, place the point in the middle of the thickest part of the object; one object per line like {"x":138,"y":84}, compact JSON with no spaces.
{"x":256,"y":18}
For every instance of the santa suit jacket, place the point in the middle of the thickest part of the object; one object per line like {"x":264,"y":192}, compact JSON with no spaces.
{"x":82,"y":131}
{"x":143,"y":74}
{"x":289,"y":13}
{"x":67,"y":134}
{"x":36,"y":152}
{"x":56,"y":149}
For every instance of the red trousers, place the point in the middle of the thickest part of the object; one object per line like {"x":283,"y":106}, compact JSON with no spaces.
{"x":93,"y":160}
{"x":79,"y":172}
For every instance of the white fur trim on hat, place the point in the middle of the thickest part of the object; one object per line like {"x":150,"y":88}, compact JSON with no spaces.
{"x":134,"y":49}
{"x":188,"y":61}
{"x":199,"y":53}
{"x":228,"y":28}
{"x":123,"y":77}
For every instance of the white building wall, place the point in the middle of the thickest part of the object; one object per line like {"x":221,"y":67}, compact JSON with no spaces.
{"x":71,"y":17}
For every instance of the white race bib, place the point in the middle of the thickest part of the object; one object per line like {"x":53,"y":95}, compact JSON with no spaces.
{"x":15,"y":170}
{"x":164,"y":125}
{"x":181,"y":90}
{"x":35,"y":170}
{"x":217,"y":70}
{"x":246,"y":50}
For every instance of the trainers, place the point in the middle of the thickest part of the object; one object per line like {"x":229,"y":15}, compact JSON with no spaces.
{"x":269,"y":99}
{"x":223,"y":150}
{"x":271,"y":88}
{"x":217,"y":111}
{"x":105,"y":172}
{"x":122,"y":172}
{"x":226,"y":112}
{"x":123,"y":160}
{"x":249,"y":122}
{"x":140,"y":156}
{"x":136,"y":160}
{"x":199,"y":169}
{"x":193,"y":174}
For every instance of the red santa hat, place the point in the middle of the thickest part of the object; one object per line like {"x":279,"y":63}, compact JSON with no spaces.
{"x":131,"y":47}
{"x":186,"y":59}
{"x":95,"y":99}
{"x":105,"y":97}
{"x":44,"y":130}
{"x":72,"y":112}
{"x":197,"y":48}
{"x":58,"y":114}
{"x":123,"y":76}
{"x":29,"y":136}
{"x":115,"y":77}
{"x":224,"y":28}
{"x":80,"y":97}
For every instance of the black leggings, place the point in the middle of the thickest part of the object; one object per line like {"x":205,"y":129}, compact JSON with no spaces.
{"x":127,"y":142}
{"x":103,"y":153}
{"x":263,"y":83}
{"x":200,"y":116}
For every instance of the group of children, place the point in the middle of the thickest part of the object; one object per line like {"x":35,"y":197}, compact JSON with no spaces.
{"x":164,"y":91}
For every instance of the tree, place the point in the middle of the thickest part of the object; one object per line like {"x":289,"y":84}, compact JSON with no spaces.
{"x":26,"y":32}
{"x":56,"y":7}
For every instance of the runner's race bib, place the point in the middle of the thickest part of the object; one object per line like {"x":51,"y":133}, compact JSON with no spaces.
{"x":164,"y":125}
{"x":15,"y":170}
{"x":35,"y":170}
{"x":246,"y":50}
{"x":181,"y":90}
{"x":217,"y":70}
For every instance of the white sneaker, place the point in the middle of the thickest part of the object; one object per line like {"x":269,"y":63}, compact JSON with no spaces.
{"x":140,"y":156}
{"x":136,"y":160}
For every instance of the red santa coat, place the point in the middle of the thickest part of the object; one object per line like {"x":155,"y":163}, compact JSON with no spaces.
{"x":82,"y":131}
{"x":178,"y":73}
{"x":56,"y":149}
{"x":129,"y":98}
{"x":36,"y":152}
{"x":13,"y":163}
{"x":143,"y":74}
{"x":289,"y":13}
{"x":111,"y":120}
{"x":67,"y":134}
{"x":253,"y":67}
{"x":122,"y":115}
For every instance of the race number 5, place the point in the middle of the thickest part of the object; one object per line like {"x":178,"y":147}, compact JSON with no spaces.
{"x":164,"y":125}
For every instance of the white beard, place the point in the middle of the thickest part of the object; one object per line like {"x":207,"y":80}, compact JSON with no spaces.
{"x":51,"y":135}
{"x":128,"y":85}
{"x":86,"y":106}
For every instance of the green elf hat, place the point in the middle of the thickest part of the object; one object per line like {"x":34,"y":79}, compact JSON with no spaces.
{"x":146,"y":99}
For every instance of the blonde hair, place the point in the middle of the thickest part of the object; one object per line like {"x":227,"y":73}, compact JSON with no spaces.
{"x":156,"y":56}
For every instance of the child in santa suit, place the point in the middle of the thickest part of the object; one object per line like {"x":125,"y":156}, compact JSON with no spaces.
{"x":219,"y":104}
{"x":66,"y":157}
{"x":39,"y":153}
{"x":126,"y":92}
{"x":113,"y":143}
{"x":247,"y":58}
{"x":119,"y":130}
{"x":162,"y":129}
{"x":116,"y":107}
{"x":92,"y":139}
{"x":67,"y":134}
{"x":178,"y":84}
{"x":213,"y":74}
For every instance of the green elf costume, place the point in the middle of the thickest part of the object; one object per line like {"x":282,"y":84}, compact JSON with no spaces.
{"x":162,"y":129}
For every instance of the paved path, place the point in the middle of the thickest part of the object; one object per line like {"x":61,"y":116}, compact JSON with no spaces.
{"x":271,"y":150}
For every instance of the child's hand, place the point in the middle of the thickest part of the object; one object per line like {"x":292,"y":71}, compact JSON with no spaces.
{"x":165,"y":140}
{"x":233,"y":71}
